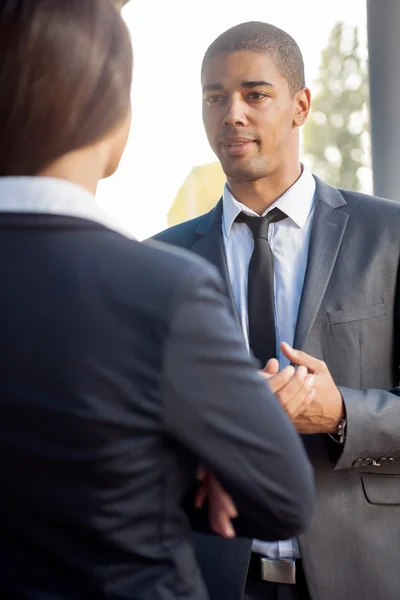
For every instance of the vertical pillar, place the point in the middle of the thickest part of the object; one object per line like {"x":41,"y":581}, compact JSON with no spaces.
{"x":383,"y":17}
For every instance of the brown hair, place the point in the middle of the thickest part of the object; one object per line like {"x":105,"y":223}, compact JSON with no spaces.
{"x":65,"y":78}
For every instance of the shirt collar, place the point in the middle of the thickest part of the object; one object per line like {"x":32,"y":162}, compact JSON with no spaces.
{"x":297,"y":203}
{"x":50,"y":195}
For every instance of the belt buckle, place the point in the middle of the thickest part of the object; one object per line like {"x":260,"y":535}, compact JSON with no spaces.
{"x":278,"y":570}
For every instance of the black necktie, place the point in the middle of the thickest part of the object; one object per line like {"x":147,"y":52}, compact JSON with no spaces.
{"x":260,"y":294}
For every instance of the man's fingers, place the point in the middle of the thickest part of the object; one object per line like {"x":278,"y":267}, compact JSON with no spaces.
{"x":301,"y":358}
{"x":294,"y":385}
{"x":272,"y":367}
{"x":278,"y":381}
{"x":300,"y":402}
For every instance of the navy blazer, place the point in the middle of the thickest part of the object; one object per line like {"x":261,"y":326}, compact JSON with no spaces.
{"x":115,"y":384}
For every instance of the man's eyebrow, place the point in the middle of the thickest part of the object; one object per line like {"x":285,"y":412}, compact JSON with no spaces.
{"x":253,"y":84}
{"x":218,"y":87}
{"x":210,"y":87}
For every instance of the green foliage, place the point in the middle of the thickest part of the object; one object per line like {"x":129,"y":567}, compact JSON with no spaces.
{"x":334,"y":136}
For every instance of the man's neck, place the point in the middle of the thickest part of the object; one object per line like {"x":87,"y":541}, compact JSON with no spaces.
{"x":260,"y":194}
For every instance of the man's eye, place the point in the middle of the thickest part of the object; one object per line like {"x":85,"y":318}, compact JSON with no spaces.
{"x":214,"y":99}
{"x":256,"y":96}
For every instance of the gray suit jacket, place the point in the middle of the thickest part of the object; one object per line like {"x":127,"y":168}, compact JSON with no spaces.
{"x":348,"y":317}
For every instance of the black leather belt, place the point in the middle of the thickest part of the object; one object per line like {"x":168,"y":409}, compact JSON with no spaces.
{"x":273,"y":570}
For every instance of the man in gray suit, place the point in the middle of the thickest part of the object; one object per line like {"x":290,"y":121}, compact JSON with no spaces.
{"x":323,"y":272}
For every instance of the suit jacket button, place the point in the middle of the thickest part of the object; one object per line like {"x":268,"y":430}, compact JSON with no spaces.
{"x":366,"y":462}
{"x":358,"y":462}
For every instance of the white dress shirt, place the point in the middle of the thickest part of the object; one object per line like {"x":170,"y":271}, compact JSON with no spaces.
{"x":50,"y":195}
{"x":289,"y":241}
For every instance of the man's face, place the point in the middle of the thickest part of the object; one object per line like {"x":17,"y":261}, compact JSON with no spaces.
{"x":248,"y":114}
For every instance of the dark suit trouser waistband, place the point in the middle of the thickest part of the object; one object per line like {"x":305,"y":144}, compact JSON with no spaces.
{"x":257,"y":589}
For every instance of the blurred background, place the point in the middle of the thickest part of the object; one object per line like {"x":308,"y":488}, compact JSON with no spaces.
{"x":169,"y":173}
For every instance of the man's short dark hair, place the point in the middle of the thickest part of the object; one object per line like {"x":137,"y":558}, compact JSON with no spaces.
{"x":263,"y":38}
{"x":65,"y":79}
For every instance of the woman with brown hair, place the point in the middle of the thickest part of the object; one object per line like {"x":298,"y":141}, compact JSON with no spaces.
{"x":115,"y":383}
{"x":65,"y":82}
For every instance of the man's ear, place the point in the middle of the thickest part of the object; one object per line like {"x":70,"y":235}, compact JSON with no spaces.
{"x":302,"y":101}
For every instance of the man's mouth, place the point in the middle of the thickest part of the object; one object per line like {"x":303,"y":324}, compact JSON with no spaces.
{"x":236,"y":146}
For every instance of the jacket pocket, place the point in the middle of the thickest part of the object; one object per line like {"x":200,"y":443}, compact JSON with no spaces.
{"x":382,"y":489}
{"x":358,"y":314}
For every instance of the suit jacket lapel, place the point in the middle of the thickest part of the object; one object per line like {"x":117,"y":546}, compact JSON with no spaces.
{"x":327,"y":232}
{"x":326,"y":237}
{"x":210,"y":245}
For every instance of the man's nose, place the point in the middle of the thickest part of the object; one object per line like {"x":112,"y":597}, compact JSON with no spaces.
{"x":235,"y":114}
